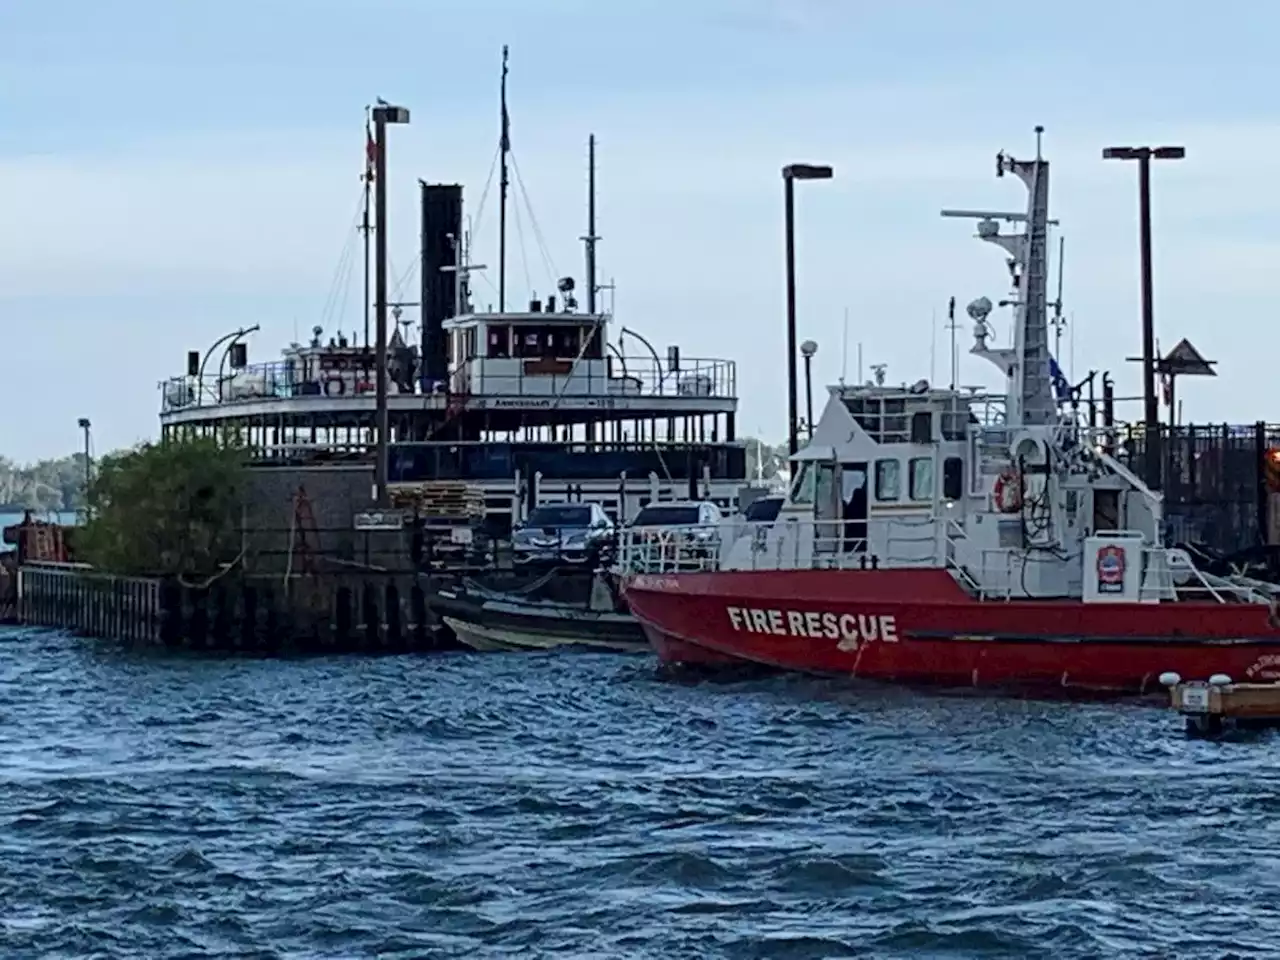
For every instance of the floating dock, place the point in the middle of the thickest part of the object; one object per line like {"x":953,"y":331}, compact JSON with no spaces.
{"x":1219,"y":706}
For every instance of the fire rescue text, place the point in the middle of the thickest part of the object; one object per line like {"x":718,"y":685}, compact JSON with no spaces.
{"x":849,"y":628}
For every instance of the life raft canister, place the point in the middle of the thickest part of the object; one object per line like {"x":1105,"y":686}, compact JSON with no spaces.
{"x":1007,"y":492}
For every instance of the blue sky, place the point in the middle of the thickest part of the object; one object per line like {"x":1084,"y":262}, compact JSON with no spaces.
{"x":169,"y":171}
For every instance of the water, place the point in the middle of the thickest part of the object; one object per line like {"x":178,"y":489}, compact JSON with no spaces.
{"x":577,"y":806}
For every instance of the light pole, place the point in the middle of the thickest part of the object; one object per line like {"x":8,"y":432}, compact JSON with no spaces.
{"x":807,"y":350}
{"x":790,"y":174}
{"x":85,"y":425}
{"x":1150,"y":403}
{"x":383,"y":115}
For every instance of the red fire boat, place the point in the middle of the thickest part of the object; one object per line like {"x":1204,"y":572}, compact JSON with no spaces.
{"x":954,"y":537}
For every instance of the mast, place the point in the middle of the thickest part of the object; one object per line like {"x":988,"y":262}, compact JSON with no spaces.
{"x":591,"y":238}
{"x":504,"y":147}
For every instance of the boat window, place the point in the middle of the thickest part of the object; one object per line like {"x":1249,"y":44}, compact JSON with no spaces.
{"x":802,"y":490}
{"x":920,"y":478}
{"x":952,"y":478}
{"x":499,"y":341}
{"x":888,"y":480}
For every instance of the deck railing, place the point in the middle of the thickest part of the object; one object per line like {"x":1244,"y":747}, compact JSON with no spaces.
{"x":995,"y":573}
{"x":498,"y":378}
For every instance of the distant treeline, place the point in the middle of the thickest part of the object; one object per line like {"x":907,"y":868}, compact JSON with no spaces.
{"x":45,"y":485}
{"x":59,"y":484}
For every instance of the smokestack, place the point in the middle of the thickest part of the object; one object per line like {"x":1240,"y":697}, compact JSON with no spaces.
{"x":441,"y":247}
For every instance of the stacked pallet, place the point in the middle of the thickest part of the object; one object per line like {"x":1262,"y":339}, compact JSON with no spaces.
{"x":440,"y":498}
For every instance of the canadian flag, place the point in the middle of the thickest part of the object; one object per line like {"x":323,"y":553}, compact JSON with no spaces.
{"x":1166,"y":390}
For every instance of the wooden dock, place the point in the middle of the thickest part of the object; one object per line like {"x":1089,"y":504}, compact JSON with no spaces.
{"x":1216,"y":706}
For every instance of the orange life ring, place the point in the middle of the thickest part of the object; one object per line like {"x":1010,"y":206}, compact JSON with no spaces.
{"x":1007,"y":493}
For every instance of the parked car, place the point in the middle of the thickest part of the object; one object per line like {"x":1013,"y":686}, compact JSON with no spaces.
{"x":681,"y":530}
{"x":577,"y":533}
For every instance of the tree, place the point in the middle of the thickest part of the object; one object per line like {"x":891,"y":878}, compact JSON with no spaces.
{"x":167,"y":508}
{"x":46,"y":485}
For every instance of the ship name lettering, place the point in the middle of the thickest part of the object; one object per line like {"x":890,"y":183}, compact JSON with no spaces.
{"x":849,"y":629}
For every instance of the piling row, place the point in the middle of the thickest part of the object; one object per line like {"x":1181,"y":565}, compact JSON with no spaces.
{"x":246,"y":616}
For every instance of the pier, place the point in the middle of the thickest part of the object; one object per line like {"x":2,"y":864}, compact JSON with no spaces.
{"x":253,"y":615}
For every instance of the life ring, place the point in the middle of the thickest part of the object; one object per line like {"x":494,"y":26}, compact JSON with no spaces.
{"x":1007,"y":493}
{"x":334,"y":386}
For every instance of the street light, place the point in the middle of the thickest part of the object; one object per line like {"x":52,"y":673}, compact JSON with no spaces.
{"x":807,"y":350}
{"x":383,"y":114}
{"x":84,"y":425}
{"x":790,"y":174}
{"x":1151,"y":408}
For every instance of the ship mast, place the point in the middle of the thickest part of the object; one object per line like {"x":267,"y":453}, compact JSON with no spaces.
{"x":591,"y":238}
{"x":1031,"y":399}
{"x":504,"y":147}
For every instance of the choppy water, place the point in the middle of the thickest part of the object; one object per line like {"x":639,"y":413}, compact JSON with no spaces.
{"x":578,"y":806}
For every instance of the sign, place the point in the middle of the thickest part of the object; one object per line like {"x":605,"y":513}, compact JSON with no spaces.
{"x":1184,"y":360}
{"x":380,"y":520}
{"x":849,"y":629}
{"x":1195,"y":699}
{"x":1110,"y":568}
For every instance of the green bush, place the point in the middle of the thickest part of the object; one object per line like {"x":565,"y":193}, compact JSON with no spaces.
{"x":165,"y":508}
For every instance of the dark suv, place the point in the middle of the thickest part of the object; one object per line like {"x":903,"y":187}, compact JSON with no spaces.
{"x":577,"y":533}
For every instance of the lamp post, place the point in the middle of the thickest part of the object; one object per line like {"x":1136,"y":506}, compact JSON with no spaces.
{"x":807,"y":350}
{"x":85,"y":425}
{"x":383,"y":115}
{"x":1150,"y":403}
{"x":790,"y":174}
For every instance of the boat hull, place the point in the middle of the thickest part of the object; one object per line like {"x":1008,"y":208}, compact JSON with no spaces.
{"x":918,"y":626}
{"x":488,"y":625}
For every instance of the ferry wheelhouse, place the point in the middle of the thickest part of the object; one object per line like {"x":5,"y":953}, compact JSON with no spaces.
{"x":530,"y":405}
{"x":948,"y":536}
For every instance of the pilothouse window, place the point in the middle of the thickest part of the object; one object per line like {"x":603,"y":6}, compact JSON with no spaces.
{"x":920,"y":478}
{"x":888,"y":480}
{"x":803,"y":489}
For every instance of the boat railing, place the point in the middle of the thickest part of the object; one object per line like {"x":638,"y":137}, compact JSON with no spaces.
{"x":613,"y":377}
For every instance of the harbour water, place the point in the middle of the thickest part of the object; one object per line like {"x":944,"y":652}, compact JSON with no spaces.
{"x":565,"y":805}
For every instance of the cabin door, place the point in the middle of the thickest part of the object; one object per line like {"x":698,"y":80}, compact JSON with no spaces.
{"x":853,"y":507}
{"x":827,"y":509}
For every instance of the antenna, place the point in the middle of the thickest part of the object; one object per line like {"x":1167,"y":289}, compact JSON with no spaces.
{"x":953,"y":327}
{"x":933,"y":343}
{"x":591,"y":238}
{"x":504,"y":147}
{"x":844,"y":348}
{"x":859,"y":362}
{"x":1057,"y":322}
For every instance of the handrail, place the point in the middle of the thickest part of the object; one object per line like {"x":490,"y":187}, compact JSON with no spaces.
{"x":697,"y":378}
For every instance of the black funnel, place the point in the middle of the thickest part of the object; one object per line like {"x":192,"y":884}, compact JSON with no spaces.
{"x":441,"y":239}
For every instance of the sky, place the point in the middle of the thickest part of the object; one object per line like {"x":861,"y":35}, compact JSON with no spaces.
{"x":171,"y":171}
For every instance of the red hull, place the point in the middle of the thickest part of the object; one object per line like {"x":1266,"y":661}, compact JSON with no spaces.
{"x":918,"y":626}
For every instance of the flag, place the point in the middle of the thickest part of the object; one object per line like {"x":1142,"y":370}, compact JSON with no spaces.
{"x":370,"y":152}
{"x":506,"y":130}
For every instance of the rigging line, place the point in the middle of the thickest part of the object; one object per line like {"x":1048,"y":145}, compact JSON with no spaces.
{"x":524,"y":258}
{"x":346,"y":286}
{"x":537,"y":231}
{"x":484,"y":194}
{"x":341,"y":276}
{"x":348,"y":251}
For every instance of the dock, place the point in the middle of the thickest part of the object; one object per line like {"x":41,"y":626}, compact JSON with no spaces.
{"x":1218,"y":706}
